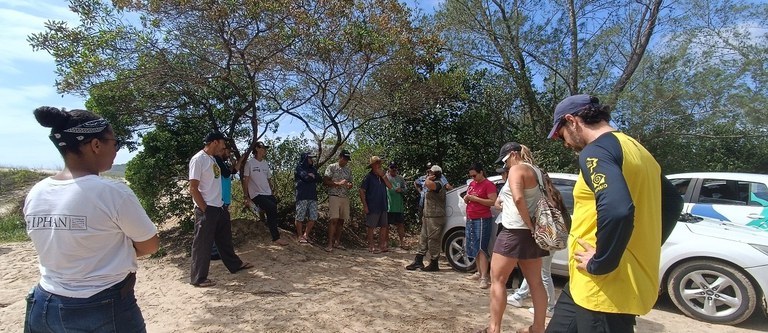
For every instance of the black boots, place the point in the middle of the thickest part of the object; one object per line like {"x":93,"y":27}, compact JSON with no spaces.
{"x":417,"y":263}
{"x":432,"y":266}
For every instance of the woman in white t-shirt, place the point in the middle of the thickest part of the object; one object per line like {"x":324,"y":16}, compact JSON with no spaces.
{"x":88,"y":232}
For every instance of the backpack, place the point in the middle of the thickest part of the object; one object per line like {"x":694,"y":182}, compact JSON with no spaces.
{"x":550,"y":231}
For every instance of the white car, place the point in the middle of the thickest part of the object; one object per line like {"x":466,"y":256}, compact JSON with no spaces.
{"x":713,"y":270}
{"x":740,"y":198}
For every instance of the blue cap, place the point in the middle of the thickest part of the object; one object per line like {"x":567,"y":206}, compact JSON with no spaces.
{"x":570,"y":105}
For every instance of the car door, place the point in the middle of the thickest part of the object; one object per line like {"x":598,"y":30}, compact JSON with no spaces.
{"x":736,"y":201}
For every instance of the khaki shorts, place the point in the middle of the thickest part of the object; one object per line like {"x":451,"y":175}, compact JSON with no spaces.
{"x":338,"y":207}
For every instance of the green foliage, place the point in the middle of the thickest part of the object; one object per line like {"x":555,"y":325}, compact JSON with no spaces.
{"x":12,"y":228}
{"x":159,"y":173}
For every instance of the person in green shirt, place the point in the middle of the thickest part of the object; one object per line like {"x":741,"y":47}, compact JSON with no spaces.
{"x":395,"y":203}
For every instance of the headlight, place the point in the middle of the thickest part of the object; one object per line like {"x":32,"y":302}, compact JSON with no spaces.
{"x":761,"y":248}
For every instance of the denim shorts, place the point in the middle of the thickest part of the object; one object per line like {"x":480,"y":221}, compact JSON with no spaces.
{"x":478,"y":236}
{"x":110,"y":310}
{"x":306,"y":208}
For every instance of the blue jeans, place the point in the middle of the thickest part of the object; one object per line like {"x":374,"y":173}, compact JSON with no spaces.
{"x":111,"y":310}
{"x":546,"y":277}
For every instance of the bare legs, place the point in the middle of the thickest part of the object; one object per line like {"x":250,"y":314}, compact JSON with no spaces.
{"x":482,"y":265}
{"x":300,"y":226}
{"x":335,"y":227}
{"x":501,"y":267}
{"x":383,"y":239}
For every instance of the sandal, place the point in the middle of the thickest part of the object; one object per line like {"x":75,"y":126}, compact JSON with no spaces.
{"x":205,"y":284}
{"x":340,"y":247}
{"x":246,"y":265}
{"x":376,"y":251}
{"x":384,"y":250}
{"x":303,"y":241}
{"x":525,"y":330}
{"x":329,"y":249}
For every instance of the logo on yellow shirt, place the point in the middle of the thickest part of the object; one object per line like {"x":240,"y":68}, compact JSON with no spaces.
{"x":598,"y":179}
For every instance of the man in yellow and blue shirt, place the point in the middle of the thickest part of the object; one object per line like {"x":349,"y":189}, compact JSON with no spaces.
{"x":624,"y":209}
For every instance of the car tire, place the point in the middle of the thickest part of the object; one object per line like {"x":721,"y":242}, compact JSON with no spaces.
{"x":455,"y":252}
{"x":712,"y":291}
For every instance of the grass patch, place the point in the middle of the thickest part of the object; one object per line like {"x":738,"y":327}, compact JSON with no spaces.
{"x":18,"y":179}
{"x":12,"y":229}
{"x":14,"y":183}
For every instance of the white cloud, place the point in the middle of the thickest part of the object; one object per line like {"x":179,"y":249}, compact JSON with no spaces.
{"x":18,"y":22}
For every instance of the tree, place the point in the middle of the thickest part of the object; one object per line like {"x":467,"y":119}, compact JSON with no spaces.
{"x":236,"y":66}
{"x":588,"y":46}
{"x":700,"y":97}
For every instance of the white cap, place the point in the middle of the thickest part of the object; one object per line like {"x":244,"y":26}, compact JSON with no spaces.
{"x":436,"y":168}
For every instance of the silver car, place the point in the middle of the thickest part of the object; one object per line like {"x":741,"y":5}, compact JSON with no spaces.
{"x":714,"y":271}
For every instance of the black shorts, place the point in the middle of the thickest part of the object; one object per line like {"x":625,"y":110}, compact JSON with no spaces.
{"x":395,"y":218}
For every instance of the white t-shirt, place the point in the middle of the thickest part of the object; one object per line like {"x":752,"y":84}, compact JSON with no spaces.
{"x":203,"y":167}
{"x":258,"y":174}
{"x":83,"y":230}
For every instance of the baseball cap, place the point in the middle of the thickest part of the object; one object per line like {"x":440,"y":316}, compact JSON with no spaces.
{"x":570,"y":105}
{"x":260,"y":144}
{"x":345,"y":154}
{"x":436,"y":168}
{"x":392,"y":165}
{"x":506,"y":149}
{"x":213,"y":136}
{"x":311,"y":154}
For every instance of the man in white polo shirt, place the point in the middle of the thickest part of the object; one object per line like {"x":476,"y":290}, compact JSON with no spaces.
{"x":212,"y":223}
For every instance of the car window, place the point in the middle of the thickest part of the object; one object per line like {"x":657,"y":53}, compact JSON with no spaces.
{"x":566,"y":190}
{"x":729,"y":192}
{"x":758,"y":195}
{"x":681,"y":184}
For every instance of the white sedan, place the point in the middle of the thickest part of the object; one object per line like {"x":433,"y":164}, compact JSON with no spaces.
{"x":713,"y":270}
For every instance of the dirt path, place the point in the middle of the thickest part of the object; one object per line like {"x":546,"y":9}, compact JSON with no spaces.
{"x":304,"y":289}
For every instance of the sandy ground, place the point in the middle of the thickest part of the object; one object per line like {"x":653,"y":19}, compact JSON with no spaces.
{"x":301,"y":288}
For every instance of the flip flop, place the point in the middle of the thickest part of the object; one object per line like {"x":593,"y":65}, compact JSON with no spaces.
{"x":205,"y":284}
{"x":303,"y":241}
{"x":246,"y":265}
{"x":340,"y":247}
{"x":525,"y":330}
{"x":329,"y":249}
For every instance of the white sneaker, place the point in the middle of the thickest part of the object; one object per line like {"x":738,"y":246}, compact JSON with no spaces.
{"x":549,"y":312}
{"x":484,"y":283}
{"x":474,"y":277}
{"x":513,"y":301}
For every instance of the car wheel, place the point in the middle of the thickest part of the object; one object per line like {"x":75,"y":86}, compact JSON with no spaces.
{"x":712,"y":291}
{"x":455,"y":253}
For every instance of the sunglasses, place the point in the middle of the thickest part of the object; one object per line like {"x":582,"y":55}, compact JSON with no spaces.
{"x":118,"y":143}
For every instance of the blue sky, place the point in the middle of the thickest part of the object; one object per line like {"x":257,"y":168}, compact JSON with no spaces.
{"x":27,"y":81}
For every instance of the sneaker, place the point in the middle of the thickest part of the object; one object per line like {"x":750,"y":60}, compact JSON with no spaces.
{"x":475,"y":276}
{"x":484,"y":283}
{"x":549,"y":312}
{"x":514,"y":301}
